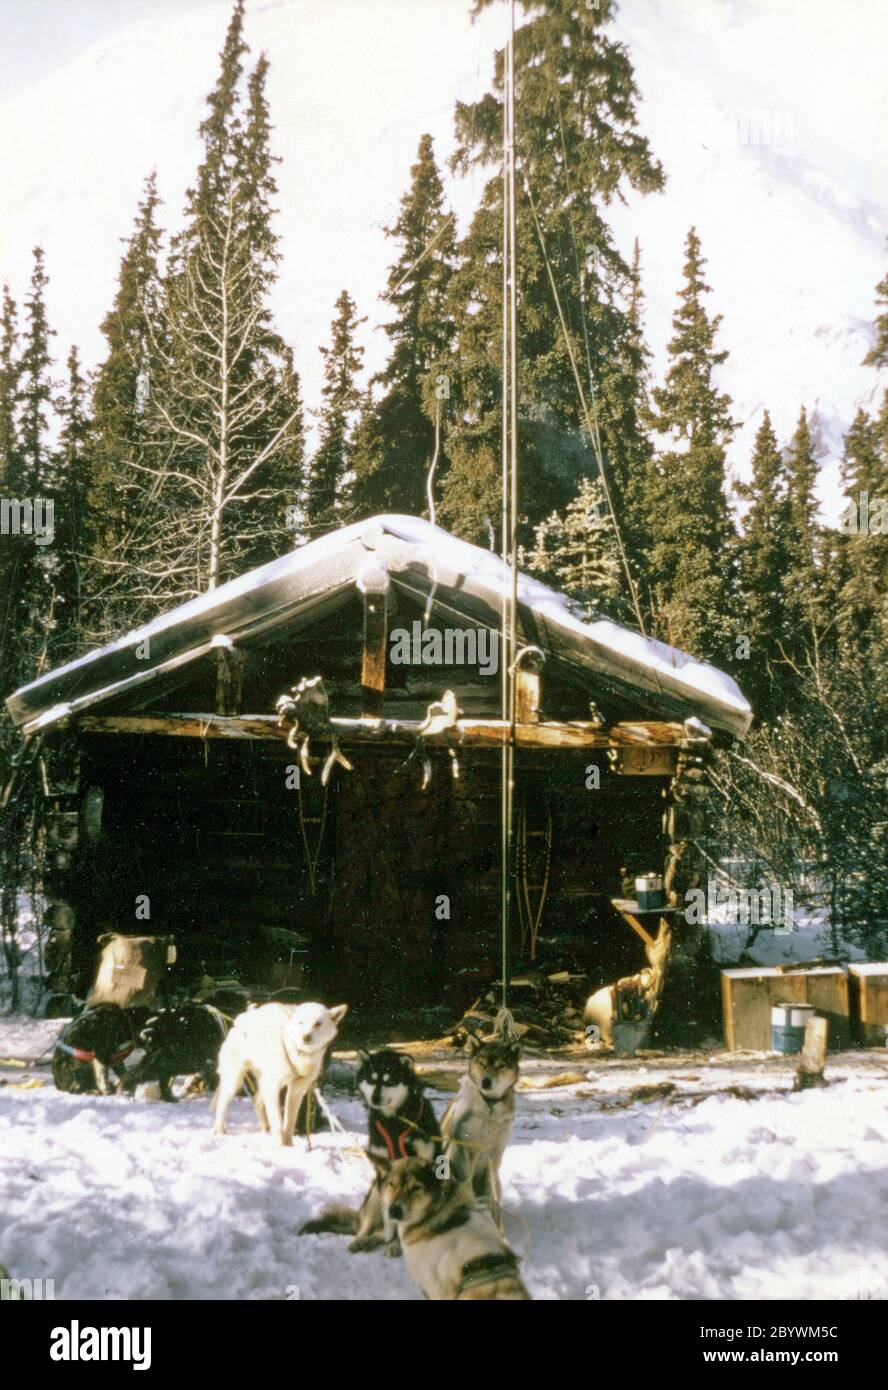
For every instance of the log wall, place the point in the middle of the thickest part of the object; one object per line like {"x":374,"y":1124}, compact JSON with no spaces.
{"x":380,"y":893}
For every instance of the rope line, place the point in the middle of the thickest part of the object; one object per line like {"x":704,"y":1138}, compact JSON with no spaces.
{"x":430,"y":495}
{"x":420,"y":258}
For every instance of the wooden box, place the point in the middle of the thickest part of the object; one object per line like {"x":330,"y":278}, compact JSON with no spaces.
{"x":869,"y":1002}
{"x":749,"y":993}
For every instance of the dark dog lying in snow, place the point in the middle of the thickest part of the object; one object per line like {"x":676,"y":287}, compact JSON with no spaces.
{"x":89,"y":1047}
{"x":178,"y":1041}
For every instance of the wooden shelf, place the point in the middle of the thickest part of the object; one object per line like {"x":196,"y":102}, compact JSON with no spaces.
{"x":624,"y":905}
{"x":631,"y":912}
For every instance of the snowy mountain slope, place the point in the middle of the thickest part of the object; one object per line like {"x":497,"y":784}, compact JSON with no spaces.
{"x":770,"y":120}
{"x":353,"y":84}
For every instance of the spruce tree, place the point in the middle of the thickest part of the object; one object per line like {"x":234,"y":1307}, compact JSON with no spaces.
{"x":689,"y":514}
{"x":72,"y":494}
{"x":124,"y":425}
{"x":834,"y":565}
{"x":634,"y":459}
{"x":878,"y":353}
{"x":395,"y":443}
{"x":801,"y":581}
{"x":10,"y":369}
{"x":261,"y":528}
{"x":332,"y":462}
{"x":220,"y":131}
{"x":577,"y":554}
{"x":864,"y":598}
{"x":14,"y":549}
{"x":28,"y":565}
{"x":31,"y":479}
{"x":578,"y":148}
{"x":764,"y":553}
{"x":811,"y":784}
{"x":36,"y":386}
{"x":225,"y":406}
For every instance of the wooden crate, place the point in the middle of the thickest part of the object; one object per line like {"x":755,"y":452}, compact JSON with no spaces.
{"x":749,"y":994}
{"x":869,"y":1002}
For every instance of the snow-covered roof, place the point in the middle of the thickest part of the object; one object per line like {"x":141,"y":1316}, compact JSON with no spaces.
{"x":468,"y":585}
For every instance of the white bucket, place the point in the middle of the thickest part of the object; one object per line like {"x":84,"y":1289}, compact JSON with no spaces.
{"x":788,"y":1023}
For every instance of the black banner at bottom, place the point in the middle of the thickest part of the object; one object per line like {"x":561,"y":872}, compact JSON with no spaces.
{"x":64,"y":1338}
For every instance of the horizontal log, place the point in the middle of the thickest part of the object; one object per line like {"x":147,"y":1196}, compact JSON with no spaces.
{"x":478,"y":733}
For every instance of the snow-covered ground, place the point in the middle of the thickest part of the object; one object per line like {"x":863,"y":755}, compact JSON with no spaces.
{"x":780,"y":1196}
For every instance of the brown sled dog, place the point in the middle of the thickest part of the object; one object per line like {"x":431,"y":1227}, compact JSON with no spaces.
{"x":452,"y":1246}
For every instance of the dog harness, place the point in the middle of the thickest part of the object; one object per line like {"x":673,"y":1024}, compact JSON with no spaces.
{"x":486,"y":1269}
{"x":76,"y":1052}
{"x":497,"y":1100}
{"x":81,"y":1055}
{"x":397,"y":1131}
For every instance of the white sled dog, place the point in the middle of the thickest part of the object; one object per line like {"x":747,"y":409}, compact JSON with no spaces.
{"x":280,"y":1047}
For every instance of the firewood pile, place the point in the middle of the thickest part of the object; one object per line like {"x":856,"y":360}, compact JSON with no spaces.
{"x":545,"y":1002}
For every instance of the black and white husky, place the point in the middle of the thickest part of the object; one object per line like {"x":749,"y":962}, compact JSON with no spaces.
{"x":401,"y":1123}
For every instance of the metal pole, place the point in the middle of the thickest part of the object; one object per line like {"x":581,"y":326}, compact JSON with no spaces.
{"x":508,"y":625}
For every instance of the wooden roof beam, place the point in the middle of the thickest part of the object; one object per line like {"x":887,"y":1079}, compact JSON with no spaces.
{"x":477,"y":733}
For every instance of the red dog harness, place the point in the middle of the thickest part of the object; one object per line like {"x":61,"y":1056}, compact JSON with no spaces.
{"x":76,"y":1052}
{"x":389,"y":1141}
{"x":81,"y":1055}
{"x":399,"y":1132}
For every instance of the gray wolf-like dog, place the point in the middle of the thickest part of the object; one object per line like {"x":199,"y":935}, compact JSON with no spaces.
{"x":478,"y":1124}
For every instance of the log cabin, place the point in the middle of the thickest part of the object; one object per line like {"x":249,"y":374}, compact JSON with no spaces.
{"x":187,"y":798}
